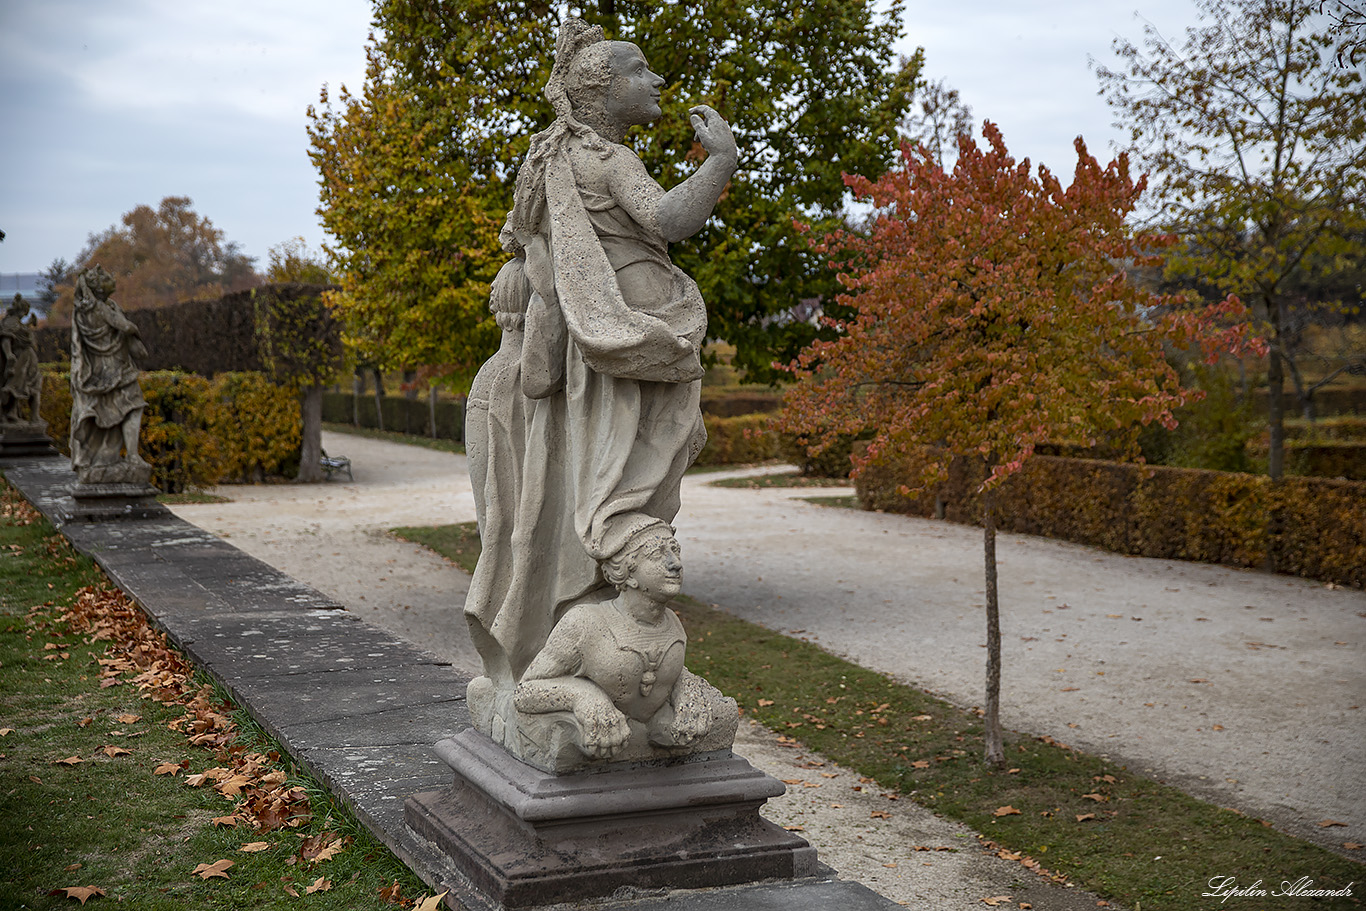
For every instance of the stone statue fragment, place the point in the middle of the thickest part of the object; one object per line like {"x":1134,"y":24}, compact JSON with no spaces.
{"x":106,"y":400}
{"x":581,"y":427}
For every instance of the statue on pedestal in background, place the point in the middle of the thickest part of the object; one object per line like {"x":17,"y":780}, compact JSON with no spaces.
{"x":581,"y":428}
{"x":20,"y":382}
{"x":23,"y":432}
{"x":106,"y":400}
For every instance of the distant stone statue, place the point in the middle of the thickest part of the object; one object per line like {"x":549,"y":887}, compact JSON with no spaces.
{"x":106,"y":400}
{"x":20,"y":382}
{"x":584,"y":423}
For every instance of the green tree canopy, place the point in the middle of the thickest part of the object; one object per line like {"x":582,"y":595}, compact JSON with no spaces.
{"x":417,"y":168}
{"x":1257,"y":140}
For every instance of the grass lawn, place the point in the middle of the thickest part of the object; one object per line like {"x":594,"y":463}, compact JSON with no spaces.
{"x":1054,"y":809}
{"x":103,"y":730}
{"x":786,"y":479}
{"x":390,"y":436}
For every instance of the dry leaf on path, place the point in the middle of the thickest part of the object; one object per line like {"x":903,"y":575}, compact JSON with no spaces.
{"x":995,"y":900}
{"x":254,"y":846}
{"x":81,"y":893}
{"x":430,"y":904}
{"x":880,"y":814}
{"x":1328,"y":823}
{"x":1005,"y":811}
{"x":218,"y":868}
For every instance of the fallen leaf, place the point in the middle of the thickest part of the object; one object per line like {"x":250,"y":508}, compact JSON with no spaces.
{"x":290,"y":890}
{"x":1328,"y":823}
{"x":880,"y":814}
{"x":70,"y":760}
{"x":1012,"y":771}
{"x":392,"y":895}
{"x":792,"y":780}
{"x":5,"y":732}
{"x":795,"y":828}
{"x":1098,"y":798}
{"x":319,"y":885}
{"x":128,"y":719}
{"x":329,"y":852}
{"x":763,"y":703}
{"x":1352,"y":845}
{"x":891,"y":866}
{"x":254,"y":846}
{"x":218,"y":868}
{"x":922,"y":717}
{"x":81,"y":893}
{"x":1005,"y":811}
{"x":1216,"y":727}
{"x":995,"y":900}
{"x":1082,"y":817}
{"x":167,"y":768}
{"x":921,"y":764}
{"x":72,"y":868}
{"x":225,"y":821}
{"x":112,"y":751}
{"x":430,"y":904}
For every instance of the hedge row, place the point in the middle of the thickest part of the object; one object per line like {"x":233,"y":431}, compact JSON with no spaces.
{"x":738,"y":440}
{"x":207,"y":337}
{"x":1334,"y":400}
{"x":1310,"y":527}
{"x":197,"y":432}
{"x":401,"y":415}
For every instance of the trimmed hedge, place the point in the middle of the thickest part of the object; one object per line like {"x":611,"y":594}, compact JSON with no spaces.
{"x":207,"y":337}
{"x":401,"y":415}
{"x":738,"y":440}
{"x":1310,"y":527}
{"x":729,"y":404}
{"x":196,"y":432}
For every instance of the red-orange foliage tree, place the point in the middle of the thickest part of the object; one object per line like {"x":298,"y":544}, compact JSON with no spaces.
{"x":992,"y":313}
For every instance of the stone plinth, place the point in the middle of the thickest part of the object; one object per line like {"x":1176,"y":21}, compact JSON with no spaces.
{"x":524,"y":837}
{"x":25,"y":438}
{"x":99,"y":502}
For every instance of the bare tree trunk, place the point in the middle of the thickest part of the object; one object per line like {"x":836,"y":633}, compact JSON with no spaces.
{"x":357,"y":390}
{"x":310,"y":453}
{"x":1275,"y":382}
{"x":379,"y":399}
{"x":431,"y":409}
{"x":995,"y":752}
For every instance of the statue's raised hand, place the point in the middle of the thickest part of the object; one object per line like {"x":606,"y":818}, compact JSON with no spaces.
{"x":713,"y":132}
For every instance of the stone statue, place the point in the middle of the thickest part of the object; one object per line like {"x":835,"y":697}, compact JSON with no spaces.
{"x":581,"y":428}
{"x":106,"y":400}
{"x":20,"y":382}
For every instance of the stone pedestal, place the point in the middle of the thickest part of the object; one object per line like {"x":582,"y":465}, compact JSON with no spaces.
{"x":25,"y":439}
{"x":99,"y":502}
{"x":524,"y":837}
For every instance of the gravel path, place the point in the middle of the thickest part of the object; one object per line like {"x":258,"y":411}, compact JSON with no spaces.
{"x":1240,"y":687}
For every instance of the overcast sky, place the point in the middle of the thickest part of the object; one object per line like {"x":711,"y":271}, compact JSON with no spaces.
{"x":105,"y":106}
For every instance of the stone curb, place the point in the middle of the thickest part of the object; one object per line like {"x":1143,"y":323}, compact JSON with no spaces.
{"x":357,"y":706}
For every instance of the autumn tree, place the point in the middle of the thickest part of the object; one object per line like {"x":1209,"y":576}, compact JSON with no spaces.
{"x":300,"y":345}
{"x":417,"y":167}
{"x":991,"y":315}
{"x":937,"y":118}
{"x":292,"y":261}
{"x":159,"y":257}
{"x":1256,"y":137}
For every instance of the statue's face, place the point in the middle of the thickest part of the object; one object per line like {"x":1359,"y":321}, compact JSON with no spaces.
{"x":99,"y":281}
{"x":633,"y":95}
{"x":659,"y":570}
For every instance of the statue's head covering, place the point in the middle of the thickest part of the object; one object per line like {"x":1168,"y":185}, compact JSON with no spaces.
{"x":528,"y":209}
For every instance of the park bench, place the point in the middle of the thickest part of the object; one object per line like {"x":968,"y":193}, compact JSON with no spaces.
{"x":332,"y":464}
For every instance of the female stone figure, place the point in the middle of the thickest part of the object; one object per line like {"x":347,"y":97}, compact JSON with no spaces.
{"x":20,"y":380}
{"x":106,"y":400}
{"x":613,"y":670}
{"x":610,"y":367}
